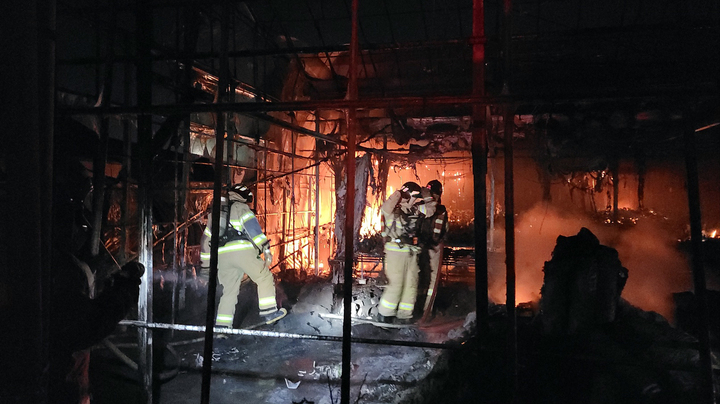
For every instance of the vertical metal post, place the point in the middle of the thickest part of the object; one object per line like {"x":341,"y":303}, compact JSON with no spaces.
{"x":352,"y":94}
{"x":178,"y":267}
{"x":26,"y":191}
{"x":491,"y":212}
{"x":45,"y":135}
{"x":317,"y":199}
{"x":510,"y":257}
{"x":284,"y":225}
{"x":509,"y":214}
{"x":145,"y":236}
{"x":100,"y":160}
{"x":308,"y":217}
{"x":127,"y":165}
{"x":292,"y":195}
{"x":693,"y":188}
{"x":189,"y":42}
{"x":185,"y":189}
{"x":256,"y":164}
{"x":176,"y":239}
{"x":479,"y":158}
{"x":265,"y":184}
{"x":615,"y":172}
{"x":215,"y":224}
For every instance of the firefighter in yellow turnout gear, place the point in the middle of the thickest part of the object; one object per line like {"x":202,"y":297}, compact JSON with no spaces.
{"x":242,"y":242}
{"x":401,"y":213}
{"x":432,"y":235}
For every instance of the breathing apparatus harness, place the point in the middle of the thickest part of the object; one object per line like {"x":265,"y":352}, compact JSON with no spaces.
{"x":409,"y":220}
{"x":227,"y":231}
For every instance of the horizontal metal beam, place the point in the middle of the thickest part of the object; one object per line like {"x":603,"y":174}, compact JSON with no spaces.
{"x":311,"y":105}
{"x":297,"y":128}
{"x":251,"y":53}
{"x":275,"y":334}
{"x":422,"y":102}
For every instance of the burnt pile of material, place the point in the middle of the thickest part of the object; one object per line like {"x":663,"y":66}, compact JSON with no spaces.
{"x":582,"y":285}
{"x":610,"y":351}
{"x":586,"y":344}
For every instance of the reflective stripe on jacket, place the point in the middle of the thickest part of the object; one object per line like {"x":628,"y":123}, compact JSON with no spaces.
{"x":231,"y":246}
{"x":244,"y":221}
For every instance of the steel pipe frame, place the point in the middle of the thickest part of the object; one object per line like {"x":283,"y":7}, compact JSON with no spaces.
{"x":479,"y":156}
{"x":310,"y":166}
{"x":265,"y":148}
{"x":298,"y":171}
{"x":431,"y":345}
{"x":317,"y":210}
{"x":25,"y":193}
{"x":286,"y":213}
{"x":311,"y":105}
{"x":698,"y":267}
{"x":145,"y":251}
{"x":283,"y":173}
{"x":217,"y":191}
{"x":286,"y":257}
{"x":583,"y":34}
{"x":350,"y":114}
{"x":275,"y":334}
{"x":293,"y":240}
{"x":252,"y":53}
{"x":460,"y":101}
{"x":100,"y":158}
{"x":510,"y":276}
{"x":316,"y":134}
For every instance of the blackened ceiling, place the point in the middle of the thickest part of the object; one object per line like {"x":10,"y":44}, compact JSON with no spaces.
{"x":630,"y":64}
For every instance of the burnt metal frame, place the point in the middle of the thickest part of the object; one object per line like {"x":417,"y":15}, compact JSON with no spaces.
{"x":144,"y":110}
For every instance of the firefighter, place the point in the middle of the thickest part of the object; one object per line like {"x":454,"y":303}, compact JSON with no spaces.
{"x":401,"y":213}
{"x":432,"y":235}
{"x":241,"y":244}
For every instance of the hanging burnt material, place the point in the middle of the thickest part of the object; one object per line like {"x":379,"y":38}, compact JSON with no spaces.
{"x":582,"y":285}
{"x":362,"y":168}
{"x":382,"y":175}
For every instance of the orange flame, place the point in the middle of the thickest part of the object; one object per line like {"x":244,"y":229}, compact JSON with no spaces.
{"x":372,"y":219}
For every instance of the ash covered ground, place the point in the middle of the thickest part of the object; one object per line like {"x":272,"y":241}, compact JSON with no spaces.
{"x":632,"y":356}
{"x":286,"y":370}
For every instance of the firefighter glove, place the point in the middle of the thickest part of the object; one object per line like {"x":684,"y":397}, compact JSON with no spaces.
{"x":268,"y":257}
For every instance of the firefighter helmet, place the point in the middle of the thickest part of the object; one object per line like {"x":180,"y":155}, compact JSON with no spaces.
{"x":410,"y":190}
{"x":435,"y":187}
{"x":243,"y":191}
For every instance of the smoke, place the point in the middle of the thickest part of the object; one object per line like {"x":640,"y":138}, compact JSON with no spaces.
{"x":648,"y":250}
{"x":657,"y":269}
{"x":536,"y":231}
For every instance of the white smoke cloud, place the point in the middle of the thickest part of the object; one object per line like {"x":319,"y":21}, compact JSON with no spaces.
{"x":648,"y":250}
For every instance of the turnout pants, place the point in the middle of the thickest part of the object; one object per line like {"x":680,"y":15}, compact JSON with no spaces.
{"x":232,"y":265}
{"x":401,"y":269}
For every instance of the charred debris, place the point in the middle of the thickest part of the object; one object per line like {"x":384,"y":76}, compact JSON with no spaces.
{"x":576,"y":142}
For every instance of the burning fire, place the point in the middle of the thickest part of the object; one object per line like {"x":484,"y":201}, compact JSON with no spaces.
{"x":299,"y":254}
{"x":372,"y":219}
